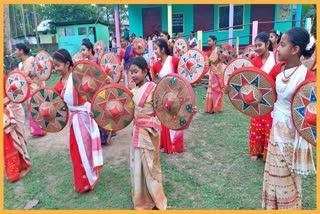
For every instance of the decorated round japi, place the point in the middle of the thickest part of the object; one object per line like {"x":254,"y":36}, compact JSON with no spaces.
{"x":88,"y":78}
{"x":252,"y":91}
{"x":180,"y":46}
{"x":113,"y":107}
{"x":193,"y":65}
{"x":139,"y":46}
{"x":174,"y":102}
{"x":233,"y":65}
{"x":304,"y":111}
{"x":16,"y":86}
{"x":111,"y":64}
{"x":48,"y":110}
{"x":77,"y":56}
{"x":249,"y":53}
{"x":43,"y":65}
{"x":226,"y":53}
{"x":99,"y":49}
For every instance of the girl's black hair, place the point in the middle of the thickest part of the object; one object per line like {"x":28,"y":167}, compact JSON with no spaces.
{"x":166,"y":33}
{"x":163,"y":44}
{"x":278,"y":34}
{"x":142,"y":64}
{"x":88,"y":44}
{"x":23,"y":47}
{"x":264,"y":37}
{"x":125,"y":38}
{"x":300,"y":37}
{"x":214,"y":38}
{"x":62,"y":55}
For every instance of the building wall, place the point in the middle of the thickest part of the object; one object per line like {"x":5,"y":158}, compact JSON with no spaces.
{"x":73,"y":43}
{"x":136,"y":25}
{"x":136,"y":21}
{"x":46,"y":38}
{"x":224,"y":34}
{"x":102,"y":32}
{"x":283,"y":14}
{"x":188,"y":11}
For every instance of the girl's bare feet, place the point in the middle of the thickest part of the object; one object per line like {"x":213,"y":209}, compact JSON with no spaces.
{"x":108,"y":141}
{"x":254,"y":157}
{"x":24,"y":172}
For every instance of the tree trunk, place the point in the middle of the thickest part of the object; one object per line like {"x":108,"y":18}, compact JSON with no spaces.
{"x":23,"y":24}
{"x":14,"y":22}
{"x":7,"y":37}
{"x":26,"y":12}
{"x":36,"y":24}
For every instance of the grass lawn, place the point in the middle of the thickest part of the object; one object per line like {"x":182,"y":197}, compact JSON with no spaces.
{"x":215,"y":172}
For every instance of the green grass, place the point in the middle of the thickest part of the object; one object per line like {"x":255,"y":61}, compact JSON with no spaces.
{"x":215,"y":172}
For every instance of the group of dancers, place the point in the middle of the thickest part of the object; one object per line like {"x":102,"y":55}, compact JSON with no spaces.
{"x":287,"y":155}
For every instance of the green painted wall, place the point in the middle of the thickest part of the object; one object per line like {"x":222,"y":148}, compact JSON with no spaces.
{"x":136,"y":26}
{"x":187,"y":11}
{"x":224,"y":34}
{"x":283,"y":26}
{"x":102,"y":32}
{"x":136,"y":21}
{"x":73,"y":43}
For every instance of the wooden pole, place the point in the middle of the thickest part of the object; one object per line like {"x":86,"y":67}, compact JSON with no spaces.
{"x":231,"y":14}
{"x":170,"y":20}
{"x":117,"y":26}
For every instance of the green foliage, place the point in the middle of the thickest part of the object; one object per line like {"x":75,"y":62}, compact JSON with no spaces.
{"x":68,"y":13}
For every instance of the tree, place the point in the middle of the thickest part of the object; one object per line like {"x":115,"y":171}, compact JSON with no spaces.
{"x":24,"y":18}
{"x":23,"y":25}
{"x":69,"y":13}
{"x":36,"y":24}
{"x":7,"y":32}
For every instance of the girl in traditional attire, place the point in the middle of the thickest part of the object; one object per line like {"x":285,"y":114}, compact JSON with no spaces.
{"x":170,"y":141}
{"x":215,"y":94}
{"x":274,"y":37}
{"x":88,"y":53}
{"x":289,"y":155}
{"x":146,"y":178}
{"x":192,"y":41}
{"x":126,"y":54}
{"x":26,"y":66}
{"x":165,"y":35}
{"x":16,"y":158}
{"x":84,"y":141}
{"x":260,"y":126}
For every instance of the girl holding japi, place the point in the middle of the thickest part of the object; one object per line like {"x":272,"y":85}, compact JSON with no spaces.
{"x":260,"y":126}
{"x":16,"y":158}
{"x":215,"y":94}
{"x":84,"y":140}
{"x":289,"y":155}
{"x":88,"y":53}
{"x":26,"y":66}
{"x":146,"y":177}
{"x":170,"y":141}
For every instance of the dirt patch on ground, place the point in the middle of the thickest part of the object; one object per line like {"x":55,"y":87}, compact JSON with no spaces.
{"x":113,"y":154}
{"x":19,"y":188}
